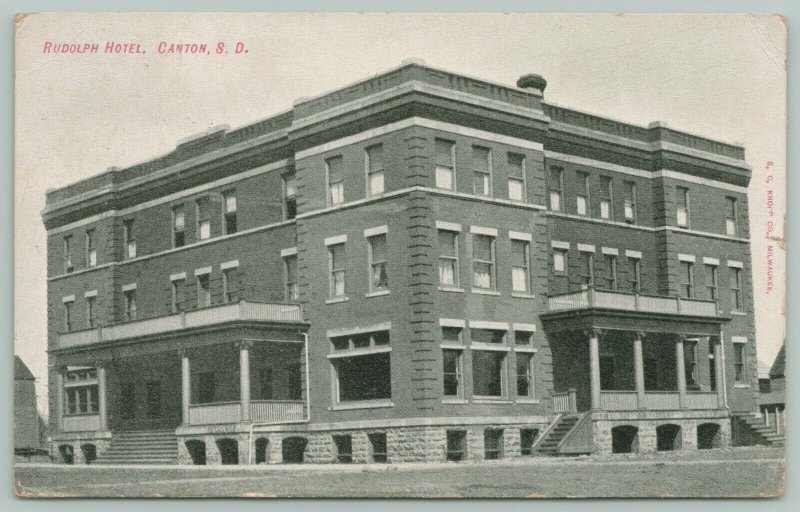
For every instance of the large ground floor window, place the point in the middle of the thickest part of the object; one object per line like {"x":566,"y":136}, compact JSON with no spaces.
{"x":488,"y":373}
{"x":364,"y":377}
{"x":81,"y":392}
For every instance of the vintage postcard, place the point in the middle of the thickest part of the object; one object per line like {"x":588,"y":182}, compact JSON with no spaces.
{"x":400,"y":255}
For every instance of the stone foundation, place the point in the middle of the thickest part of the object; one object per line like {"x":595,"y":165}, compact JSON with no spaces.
{"x":77,"y":441}
{"x":647,"y":439}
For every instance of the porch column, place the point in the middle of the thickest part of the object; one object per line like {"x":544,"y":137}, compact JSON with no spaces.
{"x":102,"y":407}
{"x":719,"y":376}
{"x":186,"y":387}
{"x":60,"y":398}
{"x":594,"y":367}
{"x":681,"y":369}
{"x":638,"y":368}
{"x":244,"y":379}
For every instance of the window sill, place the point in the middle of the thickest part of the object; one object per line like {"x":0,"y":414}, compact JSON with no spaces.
{"x":455,"y":401}
{"x":490,"y":400}
{"x":376,"y":404}
{"x":337,"y":300}
{"x":739,"y":313}
{"x":451,"y":289}
{"x":379,"y":293}
{"x":483,"y":291}
{"x":741,"y":386}
{"x":520,"y":295}
{"x":527,"y":401}
{"x":525,"y":348}
{"x":79,"y":414}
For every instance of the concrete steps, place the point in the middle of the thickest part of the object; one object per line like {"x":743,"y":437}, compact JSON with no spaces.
{"x":767,"y":435}
{"x":141,"y":447}
{"x":549,"y":445}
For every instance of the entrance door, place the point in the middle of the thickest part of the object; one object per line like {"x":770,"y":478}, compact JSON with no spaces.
{"x":153,"y":404}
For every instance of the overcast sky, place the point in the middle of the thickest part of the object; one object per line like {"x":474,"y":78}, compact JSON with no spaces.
{"x":720,"y":76}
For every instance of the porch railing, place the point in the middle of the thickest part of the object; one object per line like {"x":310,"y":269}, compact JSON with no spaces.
{"x":661,"y":401}
{"x":242,"y":310}
{"x":565,"y":402}
{"x":702,"y":401}
{"x":591,"y":298}
{"x":656,"y":401}
{"x":619,"y":401}
{"x":261,"y":411}
{"x":82,"y":423}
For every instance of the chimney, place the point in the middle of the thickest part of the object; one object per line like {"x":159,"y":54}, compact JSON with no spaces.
{"x":532,"y":83}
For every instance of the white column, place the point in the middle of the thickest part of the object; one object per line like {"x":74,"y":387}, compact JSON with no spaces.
{"x":594,"y":367}
{"x":638,"y":368}
{"x":186,"y":387}
{"x":681,"y":370}
{"x":102,"y":407}
{"x":719,"y":376}
{"x":59,"y":399}
{"x":244,"y":380}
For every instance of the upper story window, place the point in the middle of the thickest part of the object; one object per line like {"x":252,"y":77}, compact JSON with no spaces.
{"x":91,"y":311}
{"x":379,"y":278}
{"x":582,"y":196}
{"x":229,"y":217}
{"x":606,"y":198}
{"x":516,"y":177}
{"x":178,"y":226}
{"x":635,"y":274}
{"x":520,"y":266}
{"x":336,"y":259}
{"x":630,"y":202}
{"x":130,"y":305}
{"x":687,"y":279}
{"x":68,"y":304}
{"x":335,"y":172}
{"x":448,"y":258}
{"x":289,"y":196}
{"x":203,"y":290}
{"x":682,"y":211}
{"x":556,"y":186}
{"x":731,"y":217}
{"x":711,"y":282}
{"x":203,"y":208}
{"x":483,"y":262}
{"x":481,"y":171}
{"x":177,"y":285}
{"x":292,"y":285}
{"x":229,"y":284}
{"x":375,"y":170}
{"x":445,"y":167}
{"x":560,"y":260}
{"x":587,"y":269}
{"x":736,"y":288}
{"x":68,"y":265}
{"x":130,"y":238}
{"x":91,"y":249}
{"x":611,"y":269}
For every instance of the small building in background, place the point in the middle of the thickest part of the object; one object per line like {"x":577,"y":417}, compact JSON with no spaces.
{"x":27,"y":438}
{"x":772,"y":401}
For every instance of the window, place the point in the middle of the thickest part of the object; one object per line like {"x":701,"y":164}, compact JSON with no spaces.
{"x":635,"y":274}
{"x":556,"y":185}
{"x":687,"y":279}
{"x":451,"y":335}
{"x":266,"y":382}
{"x":524,"y":375}
{"x":523,"y":338}
{"x":712,"y":367}
{"x":483,"y":262}
{"x":68,"y":266}
{"x":495,"y":336}
{"x":606,"y":198}
{"x":91,"y":250}
{"x":448,"y":258}
{"x":375,"y":170}
{"x":452,"y":371}
{"x":91,"y":312}
{"x":711,"y":281}
{"x":292,"y":285}
{"x":527,"y":439}
{"x":611,"y":269}
{"x":335,"y":171}
{"x":68,"y":315}
{"x":731,"y":222}
{"x":587,"y":269}
{"x":130,"y":239}
{"x":130,"y":305}
{"x":379,"y":278}
{"x":206,"y":388}
{"x":488,"y":373}
{"x":736,"y":288}
{"x":445,"y":168}
{"x":630,"y":202}
{"x":336,"y":258}
{"x":520,"y":266}
{"x":456,"y":445}
{"x":177,"y":295}
{"x":481,"y":171}
{"x":582,"y":196}
{"x":377,"y":444}
{"x":364,"y":377}
{"x":203,"y":207}
{"x":289,"y":197}
{"x":178,"y":226}
{"x":739,"y":365}
{"x":229,"y":217}
{"x":690,"y":363}
{"x":516,"y":177}
{"x":682,"y":212}
{"x":203,"y":290}
{"x":493,"y":443}
{"x":229,"y":284}
{"x":560,"y":260}
{"x":81,"y":392}
{"x":344,"y":448}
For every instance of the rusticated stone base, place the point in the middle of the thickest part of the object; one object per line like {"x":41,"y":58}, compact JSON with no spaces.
{"x":79,"y":444}
{"x":646,"y":433}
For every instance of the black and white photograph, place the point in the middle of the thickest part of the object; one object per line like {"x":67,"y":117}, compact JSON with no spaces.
{"x":406,"y":255}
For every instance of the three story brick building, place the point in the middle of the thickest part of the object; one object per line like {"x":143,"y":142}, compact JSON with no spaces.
{"x":420,"y":266}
